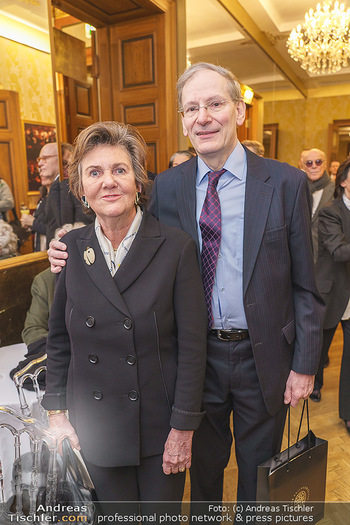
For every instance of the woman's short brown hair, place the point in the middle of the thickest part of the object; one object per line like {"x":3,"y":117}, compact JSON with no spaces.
{"x":111,"y":134}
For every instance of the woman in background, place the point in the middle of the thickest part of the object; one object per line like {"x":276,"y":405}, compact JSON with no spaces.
{"x":333,"y":279}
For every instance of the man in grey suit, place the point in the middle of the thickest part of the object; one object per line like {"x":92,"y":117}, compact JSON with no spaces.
{"x":264,"y":337}
{"x":313,"y":162}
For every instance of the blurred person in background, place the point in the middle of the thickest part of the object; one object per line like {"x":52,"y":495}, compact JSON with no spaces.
{"x":333,"y":168}
{"x":48,"y":171}
{"x":313,"y":162}
{"x":62,"y":207}
{"x":36,"y":325}
{"x":8,"y":241}
{"x":6,"y":199}
{"x":254,"y":146}
{"x":333,"y":280}
{"x":179,"y":157}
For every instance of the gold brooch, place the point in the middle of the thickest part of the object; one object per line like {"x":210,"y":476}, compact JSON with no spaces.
{"x":89,"y":256}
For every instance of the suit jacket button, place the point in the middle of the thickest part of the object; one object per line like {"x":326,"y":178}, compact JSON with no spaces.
{"x":90,"y":321}
{"x":127,"y":324}
{"x":133,"y":395}
{"x":93,"y":358}
{"x":131,"y":359}
{"x":97,"y":395}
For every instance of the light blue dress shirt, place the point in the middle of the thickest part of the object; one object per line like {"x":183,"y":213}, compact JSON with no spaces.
{"x":227,"y":298}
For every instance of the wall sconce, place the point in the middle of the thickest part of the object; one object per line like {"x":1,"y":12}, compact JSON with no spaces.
{"x":88,"y":30}
{"x":247,"y":94}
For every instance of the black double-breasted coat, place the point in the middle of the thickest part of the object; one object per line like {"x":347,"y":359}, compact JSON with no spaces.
{"x":126,"y":355}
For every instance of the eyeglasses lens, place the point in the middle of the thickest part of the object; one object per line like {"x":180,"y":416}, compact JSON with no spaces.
{"x":317,"y":162}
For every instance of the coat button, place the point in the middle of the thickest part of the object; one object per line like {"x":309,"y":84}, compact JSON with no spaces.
{"x":133,"y":395}
{"x":97,"y":395}
{"x":93,"y":358}
{"x":127,"y":324}
{"x":131,"y":359}
{"x":90,"y":321}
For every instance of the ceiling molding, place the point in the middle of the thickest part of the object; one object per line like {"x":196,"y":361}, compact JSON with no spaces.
{"x":234,"y":8}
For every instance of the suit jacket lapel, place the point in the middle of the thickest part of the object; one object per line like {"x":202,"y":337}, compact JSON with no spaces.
{"x":147,"y":242}
{"x":186,"y":199}
{"x":256,"y":209}
{"x":98,"y":271}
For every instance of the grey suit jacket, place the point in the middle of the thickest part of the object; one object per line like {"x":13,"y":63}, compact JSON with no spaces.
{"x":333,"y":264}
{"x":283,"y":307}
{"x":327,"y":196}
{"x":126,"y":354}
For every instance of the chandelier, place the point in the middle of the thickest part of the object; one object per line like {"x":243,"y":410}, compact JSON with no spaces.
{"x":322,"y":43}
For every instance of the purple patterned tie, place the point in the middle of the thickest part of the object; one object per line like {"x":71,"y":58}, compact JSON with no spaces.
{"x":210,"y":225}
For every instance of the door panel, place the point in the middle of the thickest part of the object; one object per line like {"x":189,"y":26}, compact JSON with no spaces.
{"x":80,"y":105}
{"x":12,"y":150}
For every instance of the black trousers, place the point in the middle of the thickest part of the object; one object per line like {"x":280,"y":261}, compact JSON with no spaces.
{"x":139,"y":484}
{"x":232,"y":387}
{"x":327,"y":341}
{"x":344,"y":384}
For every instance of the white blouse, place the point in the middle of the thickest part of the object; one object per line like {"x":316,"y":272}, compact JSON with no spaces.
{"x":113,"y":257}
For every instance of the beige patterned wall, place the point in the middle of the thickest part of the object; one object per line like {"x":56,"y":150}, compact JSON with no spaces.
{"x":28,"y":71}
{"x":304,"y":123}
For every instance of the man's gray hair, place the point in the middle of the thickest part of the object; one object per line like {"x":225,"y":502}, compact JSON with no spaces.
{"x":234,"y":86}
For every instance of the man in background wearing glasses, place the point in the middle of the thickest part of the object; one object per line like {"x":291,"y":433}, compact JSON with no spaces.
{"x":313,"y":162}
{"x":49,"y":171}
{"x":250,"y":218}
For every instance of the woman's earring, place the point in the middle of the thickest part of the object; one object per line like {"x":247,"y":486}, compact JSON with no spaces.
{"x":137,"y":198}
{"x":85,"y":202}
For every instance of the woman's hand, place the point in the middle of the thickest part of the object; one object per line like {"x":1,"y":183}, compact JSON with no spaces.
{"x":57,"y":253}
{"x":177,"y":451}
{"x":61,"y":428}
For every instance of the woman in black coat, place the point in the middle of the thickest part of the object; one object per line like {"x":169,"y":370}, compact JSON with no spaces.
{"x":333,"y":279}
{"x":127,"y":330}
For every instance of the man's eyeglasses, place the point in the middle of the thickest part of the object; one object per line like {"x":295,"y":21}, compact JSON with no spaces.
{"x":212,"y":107}
{"x":317,"y":162}
{"x":45,"y":157}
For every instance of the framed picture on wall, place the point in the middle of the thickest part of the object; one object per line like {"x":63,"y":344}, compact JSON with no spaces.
{"x":37,"y":135}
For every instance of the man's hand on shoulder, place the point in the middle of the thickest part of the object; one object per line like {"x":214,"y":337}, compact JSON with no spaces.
{"x":57,"y":253}
{"x":298,"y":386}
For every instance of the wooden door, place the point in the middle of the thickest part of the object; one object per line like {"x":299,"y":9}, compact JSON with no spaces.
{"x":138,"y":66}
{"x":80,"y":106}
{"x":12,"y":149}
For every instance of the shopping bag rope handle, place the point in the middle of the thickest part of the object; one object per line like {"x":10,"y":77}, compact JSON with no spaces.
{"x":300,"y":423}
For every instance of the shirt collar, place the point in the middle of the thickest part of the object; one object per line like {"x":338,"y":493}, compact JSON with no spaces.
{"x":235,"y":164}
{"x":346,"y":201}
{"x":114,"y":258}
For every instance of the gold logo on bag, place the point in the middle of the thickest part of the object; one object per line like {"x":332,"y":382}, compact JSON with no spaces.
{"x":301,"y":495}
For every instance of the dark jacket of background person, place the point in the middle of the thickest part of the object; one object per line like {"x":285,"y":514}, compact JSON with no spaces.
{"x":63,"y":207}
{"x":333,"y":264}
{"x":39,"y":224}
{"x":282,"y":304}
{"x":138,"y":344}
{"x":333,"y":278}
